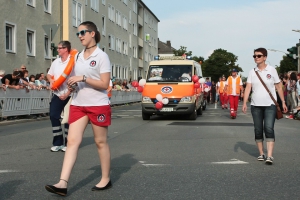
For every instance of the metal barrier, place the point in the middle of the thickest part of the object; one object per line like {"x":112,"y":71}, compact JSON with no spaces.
{"x":19,"y":102}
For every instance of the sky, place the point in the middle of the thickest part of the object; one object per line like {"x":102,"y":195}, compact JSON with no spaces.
{"x":238,"y":26}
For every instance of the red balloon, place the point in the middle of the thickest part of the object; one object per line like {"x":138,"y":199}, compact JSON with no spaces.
{"x":159,"y":105}
{"x":195,"y":78}
{"x":140,"y":89}
{"x":135,"y":84}
{"x":197,"y":85}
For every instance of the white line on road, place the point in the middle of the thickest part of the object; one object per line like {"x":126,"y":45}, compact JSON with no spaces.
{"x":131,"y":110}
{"x":8,"y":171}
{"x":122,"y":115}
{"x":231,"y":162}
{"x":155,"y":165}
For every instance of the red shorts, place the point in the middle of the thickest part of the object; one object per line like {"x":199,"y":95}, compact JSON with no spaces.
{"x":98,"y":115}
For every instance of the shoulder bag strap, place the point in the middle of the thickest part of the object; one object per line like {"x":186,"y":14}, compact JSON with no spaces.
{"x":266,"y":88}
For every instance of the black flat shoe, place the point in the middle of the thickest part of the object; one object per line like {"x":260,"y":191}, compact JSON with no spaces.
{"x":55,"y":190}
{"x":109,"y":185}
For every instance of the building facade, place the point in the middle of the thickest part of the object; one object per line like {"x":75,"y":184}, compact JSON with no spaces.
{"x":128,"y":28}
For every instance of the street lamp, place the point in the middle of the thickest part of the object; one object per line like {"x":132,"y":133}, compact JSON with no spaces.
{"x":277,"y":51}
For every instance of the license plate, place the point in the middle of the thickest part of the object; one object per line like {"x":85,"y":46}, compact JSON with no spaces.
{"x":166,"y":110}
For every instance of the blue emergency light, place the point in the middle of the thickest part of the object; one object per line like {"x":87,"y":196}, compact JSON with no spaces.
{"x":156,"y":57}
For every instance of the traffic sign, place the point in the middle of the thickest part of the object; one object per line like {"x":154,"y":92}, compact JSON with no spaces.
{"x":50,"y":28}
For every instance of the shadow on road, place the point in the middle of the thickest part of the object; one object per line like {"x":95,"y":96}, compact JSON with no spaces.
{"x":119,"y":166}
{"x":248,"y":148}
{"x":8,"y":189}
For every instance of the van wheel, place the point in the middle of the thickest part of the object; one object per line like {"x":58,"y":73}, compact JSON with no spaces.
{"x":193,"y":115}
{"x":199,"y":111}
{"x":145,"y":116}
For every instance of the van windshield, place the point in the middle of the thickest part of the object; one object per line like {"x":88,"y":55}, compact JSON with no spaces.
{"x":170,"y":73}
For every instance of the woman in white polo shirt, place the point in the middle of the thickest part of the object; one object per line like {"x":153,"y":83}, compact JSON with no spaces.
{"x":90,"y":103}
{"x":263,"y":109}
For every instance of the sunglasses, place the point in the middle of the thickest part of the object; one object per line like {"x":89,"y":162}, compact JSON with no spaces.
{"x":257,"y":56}
{"x":82,"y":32}
{"x":61,"y":48}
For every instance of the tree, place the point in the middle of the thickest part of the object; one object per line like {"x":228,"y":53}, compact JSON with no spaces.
{"x":287,"y":64}
{"x":220,"y":63}
{"x":182,"y":50}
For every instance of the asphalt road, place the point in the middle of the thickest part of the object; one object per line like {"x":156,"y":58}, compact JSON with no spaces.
{"x":213,"y":157}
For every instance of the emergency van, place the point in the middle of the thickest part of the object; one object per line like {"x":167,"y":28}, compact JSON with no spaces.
{"x":171,"y":78}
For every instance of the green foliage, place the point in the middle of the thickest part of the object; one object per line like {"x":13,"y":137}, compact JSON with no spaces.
{"x":220,"y":63}
{"x":287,"y":64}
{"x":182,"y":50}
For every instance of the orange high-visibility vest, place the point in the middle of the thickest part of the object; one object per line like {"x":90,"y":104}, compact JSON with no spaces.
{"x":221,"y":88}
{"x":237,"y":85}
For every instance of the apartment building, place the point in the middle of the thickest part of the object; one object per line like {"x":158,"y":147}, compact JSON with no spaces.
{"x":24,"y":40}
{"x":128,"y":28}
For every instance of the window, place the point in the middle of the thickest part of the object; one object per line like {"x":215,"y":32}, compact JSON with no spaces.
{"x":76,"y":13}
{"x":10,"y":37}
{"x":118,"y":18}
{"x":125,"y":24}
{"x":30,"y":41}
{"x":111,"y":42}
{"x":103,"y":2}
{"x":134,"y":6}
{"x":134,"y":52}
{"x":134,"y":29}
{"x":47,"y":6}
{"x":95,"y":5}
{"x":103,"y":26}
{"x":30,"y":3}
{"x":118,"y":45}
{"x":130,"y":40}
{"x":112,"y":70}
{"x":47,"y":47}
{"x":130,"y":16}
{"x":125,"y":48}
{"x":125,"y":2}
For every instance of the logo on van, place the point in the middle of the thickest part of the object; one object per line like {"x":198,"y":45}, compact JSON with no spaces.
{"x":166,"y":90}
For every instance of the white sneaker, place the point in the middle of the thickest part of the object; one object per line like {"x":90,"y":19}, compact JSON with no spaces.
{"x":64,"y":148}
{"x":55,"y":148}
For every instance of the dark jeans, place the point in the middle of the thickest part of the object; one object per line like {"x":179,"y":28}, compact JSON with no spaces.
{"x":56,"y":107}
{"x":264,"y":119}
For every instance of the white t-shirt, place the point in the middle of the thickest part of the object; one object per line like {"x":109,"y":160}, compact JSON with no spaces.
{"x":260,"y":96}
{"x":234,"y":85}
{"x":96,"y":64}
{"x":56,"y":69}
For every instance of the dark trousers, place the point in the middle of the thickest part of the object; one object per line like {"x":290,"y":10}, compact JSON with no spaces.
{"x":56,"y":107}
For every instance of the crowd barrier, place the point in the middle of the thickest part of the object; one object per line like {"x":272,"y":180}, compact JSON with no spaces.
{"x":19,"y":102}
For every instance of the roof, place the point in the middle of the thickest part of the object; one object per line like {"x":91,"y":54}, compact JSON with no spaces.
{"x":165,"y":48}
{"x":149,"y":10}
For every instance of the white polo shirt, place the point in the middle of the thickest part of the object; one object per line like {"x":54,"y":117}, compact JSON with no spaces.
{"x":234,"y":85}
{"x":260,"y":96}
{"x":96,"y":64}
{"x":56,"y":69}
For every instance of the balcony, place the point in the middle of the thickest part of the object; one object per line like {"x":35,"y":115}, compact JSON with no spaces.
{"x":141,"y":63}
{"x":141,"y":42}
{"x":140,"y":21}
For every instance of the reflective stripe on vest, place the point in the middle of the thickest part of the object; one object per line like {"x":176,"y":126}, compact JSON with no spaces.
{"x":237,"y":85}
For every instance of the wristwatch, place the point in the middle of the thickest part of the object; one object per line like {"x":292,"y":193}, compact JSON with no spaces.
{"x":84,"y":78}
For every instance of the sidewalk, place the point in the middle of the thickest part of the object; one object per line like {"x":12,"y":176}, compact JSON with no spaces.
{"x":21,"y":119}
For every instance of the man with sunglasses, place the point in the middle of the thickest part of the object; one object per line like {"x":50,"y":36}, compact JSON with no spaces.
{"x":60,"y":97}
{"x":234,"y":88}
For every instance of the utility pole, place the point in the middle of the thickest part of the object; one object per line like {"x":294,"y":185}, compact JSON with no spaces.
{"x":298,"y":46}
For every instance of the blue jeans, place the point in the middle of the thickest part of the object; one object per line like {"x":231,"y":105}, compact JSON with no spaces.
{"x":264,"y":119}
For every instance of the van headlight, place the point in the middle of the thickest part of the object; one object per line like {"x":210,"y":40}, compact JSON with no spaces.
{"x":186,"y":100}
{"x":146,"y":100}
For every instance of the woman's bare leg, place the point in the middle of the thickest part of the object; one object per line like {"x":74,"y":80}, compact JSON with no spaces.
{"x":75,"y":134}
{"x":100,"y":136}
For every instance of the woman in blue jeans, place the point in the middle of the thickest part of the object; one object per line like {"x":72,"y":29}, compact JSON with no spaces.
{"x":263,"y":109}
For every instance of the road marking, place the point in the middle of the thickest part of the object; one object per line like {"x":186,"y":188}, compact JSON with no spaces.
{"x":155,"y":165}
{"x":8,"y":171}
{"x":122,"y":115}
{"x":231,"y":162}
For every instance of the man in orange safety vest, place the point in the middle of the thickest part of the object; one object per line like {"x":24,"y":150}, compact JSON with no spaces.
{"x":234,"y":88}
{"x":222,"y":94}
